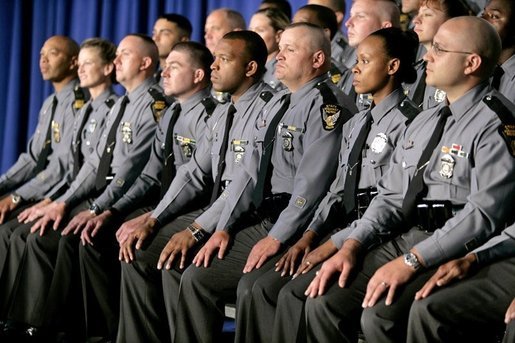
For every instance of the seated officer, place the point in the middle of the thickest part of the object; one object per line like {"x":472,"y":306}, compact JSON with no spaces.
{"x":171,"y":234}
{"x":366,"y":16}
{"x":438,"y":200}
{"x":388,"y":55}
{"x":170,"y":29}
{"x":466,"y":299}
{"x":122,"y":152}
{"x":186,"y":78}
{"x":42,"y":166}
{"x":501,"y":14}
{"x":298,"y":134}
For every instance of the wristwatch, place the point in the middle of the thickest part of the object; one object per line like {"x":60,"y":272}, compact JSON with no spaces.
{"x":197,"y":233}
{"x":411,"y":260}
{"x":95,"y":209}
{"x":15,"y":198}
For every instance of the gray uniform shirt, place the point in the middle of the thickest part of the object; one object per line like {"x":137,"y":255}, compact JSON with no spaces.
{"x":187,"y":131}
{"x":341,"y":51}
{"x":507,"y":85}
{"x":87,"y":139}
{"x":387,"y":127}
{"x":304,"y":159}
{"x":269,"y":76}
{"x":472,"y":167}
{"x":130,"y":153}
{"x":60,"y":136}
{"x":192,"y":178}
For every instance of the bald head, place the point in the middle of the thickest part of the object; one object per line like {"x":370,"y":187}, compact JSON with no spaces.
{"x":388,"y":11}
{"x":476,"y":35}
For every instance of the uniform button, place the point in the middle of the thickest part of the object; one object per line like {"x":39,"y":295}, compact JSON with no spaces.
{"x":372,"y":162}
{"x":403,"y":164}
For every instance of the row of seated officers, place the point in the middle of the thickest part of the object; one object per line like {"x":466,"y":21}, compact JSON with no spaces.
{"x":321,"y":210}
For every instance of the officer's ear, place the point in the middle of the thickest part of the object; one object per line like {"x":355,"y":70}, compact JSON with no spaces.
{"x":74,"y":63}
{"x":108,"y":69}
{"x":473,"y":63}
{"x":386,"y":24}
{"x":318,"y":59}
{"x":146,"y":62}
{"x":198,"y":76}
{"x":251,"y":69}
{"x":393,"y":66}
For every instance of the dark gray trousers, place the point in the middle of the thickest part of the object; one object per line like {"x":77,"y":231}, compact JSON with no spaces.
{"x":470,"y":310}
{"x":204,"y":291}
{"x":335,"y":316}
{"x":145,"y":296}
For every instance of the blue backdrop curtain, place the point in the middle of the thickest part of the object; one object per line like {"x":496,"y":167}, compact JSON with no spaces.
{"x":26,"y":24}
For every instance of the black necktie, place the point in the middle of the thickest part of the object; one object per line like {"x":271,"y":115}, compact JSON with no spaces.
{"x":105,"y":161}
{"x":417,"y":188}
{"x":418,"y":95}
{"x":77,"y":153}
{"x":223,"y":151}
{"x":47,"y":147}
{"x":169,"y":170}
{"x":354,"y":165}
{"x":496,"y":80}
{"x":263,"y":175}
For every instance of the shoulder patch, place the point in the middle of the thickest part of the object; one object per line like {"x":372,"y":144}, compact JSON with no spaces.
{"x":209,"y":104}
{"x":331,"y":114}
{"x":266,"y":96}
{"x":110,"y":103}
{"x":507,"y":128}
{"x":335,"y":74}
{"x":330,"y":110}
{"x":159,"y":104}
{"x":408,"y":109}
{"x":80,"y":98}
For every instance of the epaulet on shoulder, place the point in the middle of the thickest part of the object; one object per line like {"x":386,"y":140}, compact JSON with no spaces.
{"x":110,"y":102}
{"x":266,"y":96}
{"x":335,"y":74}
{"x":328,"y":96}
{"x":159,"y":104}
{"x":209,"y":104}
{"x":408,"y":109}
{"x":507,"y":128}
{"x":499,"y":107}
{"x":80,"y":98}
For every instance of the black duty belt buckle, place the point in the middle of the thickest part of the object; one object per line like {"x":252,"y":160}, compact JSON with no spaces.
{"x":432,"y":215}
{"x":363,"y":199}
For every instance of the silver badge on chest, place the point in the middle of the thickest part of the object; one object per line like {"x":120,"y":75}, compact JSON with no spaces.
{"x":440,"y":95}
{"x":126,"y":132}
{"x":379,"y":143}
{"x":287,"y":141}
{"x":447,"y":168}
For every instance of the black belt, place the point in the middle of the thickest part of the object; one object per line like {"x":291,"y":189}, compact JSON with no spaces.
{"x":432,"y":214}
{"x":273,"y":205}
{"x":363,"y":198}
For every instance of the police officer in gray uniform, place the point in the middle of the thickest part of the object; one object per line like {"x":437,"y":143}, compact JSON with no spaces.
{"x":341,"y":51}
{"x":366,"y":16}
{"x":501,"y":14}
{"x":301,"y":127}
{"x":465,"y":310}
{"x":43,"y":163}
{"x":389,"y":116}
{"x":438,"y":200}
{"x":186,"y":77}
{"x":430,"y":16}
{"x":228,"y":140}
{"x":120,"y":156}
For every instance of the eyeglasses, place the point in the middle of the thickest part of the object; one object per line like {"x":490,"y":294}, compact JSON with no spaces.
{"x":438,"y":50}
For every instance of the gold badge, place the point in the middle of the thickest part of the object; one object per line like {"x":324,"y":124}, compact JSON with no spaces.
{"x":126,"y":133}
{"x":157,"y":109}
{"x":56,"y":131}
{"x":330,"y":115}
{"x":238,"y":147}
{"x":187,"y":145}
